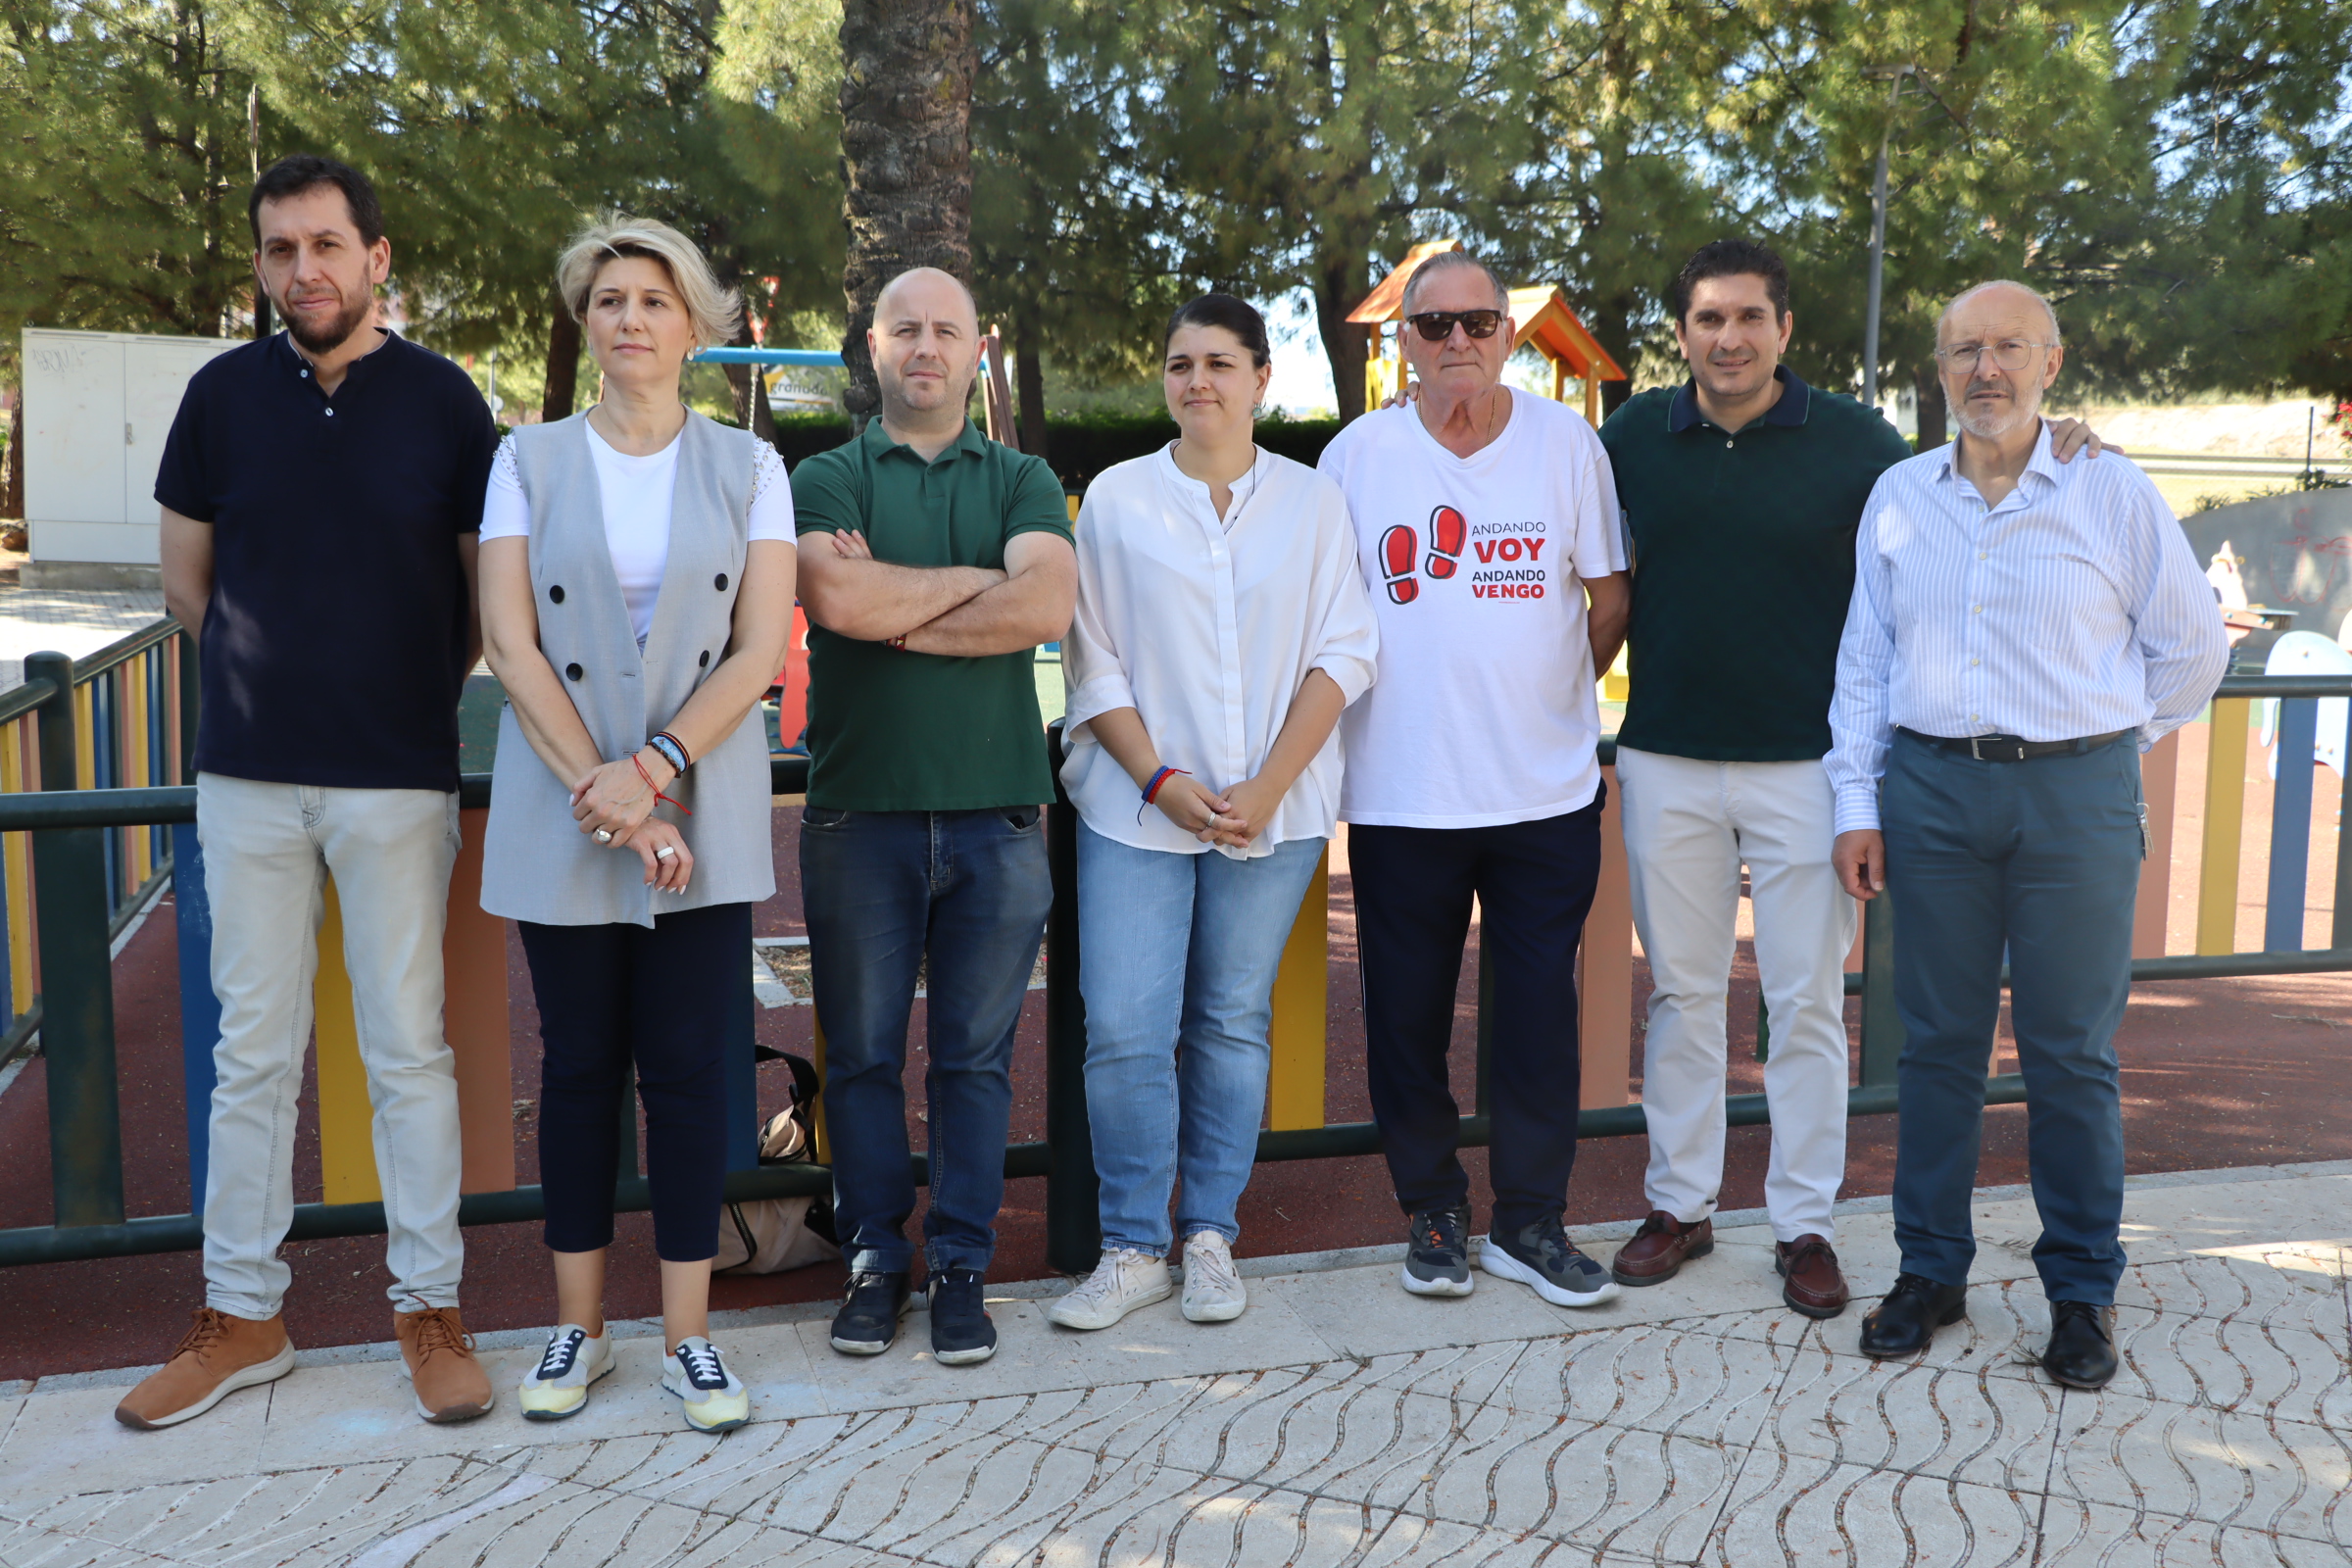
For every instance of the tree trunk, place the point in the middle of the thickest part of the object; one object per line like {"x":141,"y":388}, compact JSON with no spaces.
{"x":1029,"y":394}
{"x":562,"y":367}
{"x":1347,"y":344}
{"x":753,"y":411}
{"x":1929,"y":388}
{"x":906,"y":157}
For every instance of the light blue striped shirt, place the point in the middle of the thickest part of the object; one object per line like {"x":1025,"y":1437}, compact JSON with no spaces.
{"x":2074,"y":608}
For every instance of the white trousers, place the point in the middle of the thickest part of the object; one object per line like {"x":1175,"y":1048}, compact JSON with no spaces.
{"x":1688,"y":825}
{"x":268,"y":849}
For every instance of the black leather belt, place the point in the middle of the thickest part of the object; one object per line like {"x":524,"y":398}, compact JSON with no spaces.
{"x":2014,"y":748}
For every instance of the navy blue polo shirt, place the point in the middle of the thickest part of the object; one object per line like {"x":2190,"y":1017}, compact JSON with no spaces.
{"x":1743,"y":548}
{"x":334,"y":646}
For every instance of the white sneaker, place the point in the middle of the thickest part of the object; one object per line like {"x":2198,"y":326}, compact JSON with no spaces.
{"x":1212,"y":1291}
{"x":558,"y":1386}
{"x":1122,"y":1282}
{"x":713,"y":1395}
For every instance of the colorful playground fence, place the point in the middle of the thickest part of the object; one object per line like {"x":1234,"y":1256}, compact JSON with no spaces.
{"x":107,"y":735}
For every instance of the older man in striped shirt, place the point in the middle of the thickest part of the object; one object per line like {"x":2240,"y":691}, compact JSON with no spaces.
{"x":2020,"y":631}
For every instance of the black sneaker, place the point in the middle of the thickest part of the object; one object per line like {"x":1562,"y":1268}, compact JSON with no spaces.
{"x":1541,"y":1258}
{"x":869,"y":1319}
{"x":1437,"y":1254}
{"x":960,"y":1330}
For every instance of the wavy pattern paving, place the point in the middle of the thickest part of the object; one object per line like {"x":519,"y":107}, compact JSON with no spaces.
{"x":1739,"y":1440}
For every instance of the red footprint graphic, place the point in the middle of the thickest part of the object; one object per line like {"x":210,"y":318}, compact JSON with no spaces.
{"x":1396,"y":549}
{"x":1447,"y":533}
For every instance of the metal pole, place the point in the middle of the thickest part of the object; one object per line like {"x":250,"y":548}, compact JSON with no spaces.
{"x":1073,"y":1218}
{"x":77,"y":992}
{"x":1878,"y":234}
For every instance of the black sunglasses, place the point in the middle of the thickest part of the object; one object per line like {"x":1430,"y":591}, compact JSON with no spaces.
{"x":1438,"y":325}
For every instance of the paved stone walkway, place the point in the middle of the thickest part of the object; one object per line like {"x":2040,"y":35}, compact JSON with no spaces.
{"x":1340,"y":1422}
{"x":68,"y":620}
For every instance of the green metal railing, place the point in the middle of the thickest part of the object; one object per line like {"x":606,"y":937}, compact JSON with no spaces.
{"x":68,"y":828}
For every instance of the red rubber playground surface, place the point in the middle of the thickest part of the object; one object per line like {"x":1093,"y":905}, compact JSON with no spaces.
{"x":2215,"y":1073}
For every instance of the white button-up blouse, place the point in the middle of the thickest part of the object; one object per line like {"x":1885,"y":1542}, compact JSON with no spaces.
{"x":1207,"y":631}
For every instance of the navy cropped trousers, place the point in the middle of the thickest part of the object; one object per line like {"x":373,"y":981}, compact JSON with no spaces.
{"x":2039,"y":861}
{"x":1533,"y":884}
{"x":613,"y":994}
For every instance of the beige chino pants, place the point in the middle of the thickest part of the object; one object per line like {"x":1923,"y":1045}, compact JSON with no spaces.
{"x":268,"y":849}
{"x":1688,"y":825}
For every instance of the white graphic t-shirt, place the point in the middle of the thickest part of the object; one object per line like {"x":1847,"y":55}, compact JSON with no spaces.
{"x":1483,"y":712}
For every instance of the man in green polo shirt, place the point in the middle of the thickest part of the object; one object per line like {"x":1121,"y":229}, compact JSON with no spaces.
{"x":948,"y":560}
{"x":1741,"y":490}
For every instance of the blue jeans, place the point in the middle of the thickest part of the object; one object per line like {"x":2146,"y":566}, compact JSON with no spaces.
{"x":2043,"y":860}
{"x":1177,"y":961}
{"x":880,"y":889}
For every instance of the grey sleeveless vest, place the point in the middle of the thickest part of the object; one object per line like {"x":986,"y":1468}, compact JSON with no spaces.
{"x":537,"y":864}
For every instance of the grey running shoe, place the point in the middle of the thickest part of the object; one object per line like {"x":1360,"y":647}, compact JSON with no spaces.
{"x":1437,"y":1254}
{"x":1542,"y":1259}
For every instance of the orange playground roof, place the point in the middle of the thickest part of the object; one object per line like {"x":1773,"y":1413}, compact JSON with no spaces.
{"x":1541,"y":313}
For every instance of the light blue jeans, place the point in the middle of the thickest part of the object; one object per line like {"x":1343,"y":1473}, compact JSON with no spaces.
{"x":1177,"y":956}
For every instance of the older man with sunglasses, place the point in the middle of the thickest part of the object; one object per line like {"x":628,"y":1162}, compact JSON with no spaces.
{"x":1486,"y":529}
{"x":2020,"y":632}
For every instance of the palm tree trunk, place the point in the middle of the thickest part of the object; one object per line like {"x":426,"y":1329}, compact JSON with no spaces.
{"x":1029,"y":390}
{"x":563,"y":366}
{"x":906,"y":158}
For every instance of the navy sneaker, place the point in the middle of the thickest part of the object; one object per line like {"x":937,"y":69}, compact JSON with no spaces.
{"x":960,"y":1330}
{"x":1437,"y":1254}
{"x":869,"y":1319}
{"x":1541,"y":1258}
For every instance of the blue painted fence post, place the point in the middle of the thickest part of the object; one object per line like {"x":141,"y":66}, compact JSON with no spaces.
{"x":2291,"y":825}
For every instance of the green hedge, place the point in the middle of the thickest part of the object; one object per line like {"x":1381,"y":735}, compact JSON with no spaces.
{"x":1080,"y":448}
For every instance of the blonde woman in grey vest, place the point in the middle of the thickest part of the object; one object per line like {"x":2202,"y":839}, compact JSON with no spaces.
{"x":637,"y":572}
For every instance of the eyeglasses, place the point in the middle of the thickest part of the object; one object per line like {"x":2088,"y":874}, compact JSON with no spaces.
{"x":1438,"y":325}
{"x":2010,"y":354}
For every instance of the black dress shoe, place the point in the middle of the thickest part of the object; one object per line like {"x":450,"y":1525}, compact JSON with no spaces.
{"x":1904,"y":1322}
{"x":2082,"y":1352}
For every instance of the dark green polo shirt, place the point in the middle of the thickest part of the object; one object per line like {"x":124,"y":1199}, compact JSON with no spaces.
{"x":896,"y":731}
{"x":1743,"y":560}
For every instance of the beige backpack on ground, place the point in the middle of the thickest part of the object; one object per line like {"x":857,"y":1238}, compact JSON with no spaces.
{"x":768,"y":1235}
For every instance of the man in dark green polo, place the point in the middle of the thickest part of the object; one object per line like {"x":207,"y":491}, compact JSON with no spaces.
{"x":947,"y":559}
{"x":1741,"y":490}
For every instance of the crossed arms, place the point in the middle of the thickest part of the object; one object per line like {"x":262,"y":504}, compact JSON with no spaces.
{"x":961,"y":612}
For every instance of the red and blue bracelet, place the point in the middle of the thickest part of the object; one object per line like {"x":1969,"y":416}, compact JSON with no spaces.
{"x":1158,"y":779}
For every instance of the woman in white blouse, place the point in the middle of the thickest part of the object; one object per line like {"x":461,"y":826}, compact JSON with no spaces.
{"x":637,"y":568}
{"x":1223,"y":627}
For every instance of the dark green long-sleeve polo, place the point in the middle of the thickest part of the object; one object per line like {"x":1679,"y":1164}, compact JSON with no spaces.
{"x":1743,"y":560}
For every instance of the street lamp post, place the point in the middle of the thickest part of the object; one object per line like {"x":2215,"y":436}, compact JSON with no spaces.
{"x":1893,"y":76}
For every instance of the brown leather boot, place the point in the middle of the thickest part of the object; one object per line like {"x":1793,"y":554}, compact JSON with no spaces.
{"x":1814,"y":1283}
{"x":217,"y":1355}
{"x":1660,"y":1248}
{"x":450,"y":1383}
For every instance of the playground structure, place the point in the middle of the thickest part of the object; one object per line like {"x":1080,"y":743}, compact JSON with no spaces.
{"x":1541,"y":319}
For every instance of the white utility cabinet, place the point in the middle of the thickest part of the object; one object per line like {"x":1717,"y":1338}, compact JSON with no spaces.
{"x":97,"y":407}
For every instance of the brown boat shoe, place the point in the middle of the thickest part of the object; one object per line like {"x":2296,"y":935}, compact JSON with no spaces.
{"x":451,"y":1385}
{"x":217,"y":1355}
{"x":1661,"y":1249}
{"x":1814,"y":1285}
